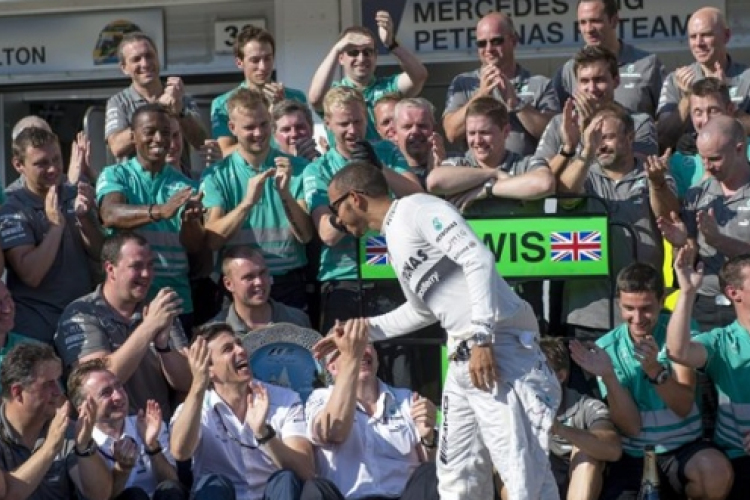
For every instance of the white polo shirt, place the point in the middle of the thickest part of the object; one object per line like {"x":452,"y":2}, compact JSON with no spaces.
{"x":379,"y":455}
{"x":141,"y":475}
{"x":219,"y":450}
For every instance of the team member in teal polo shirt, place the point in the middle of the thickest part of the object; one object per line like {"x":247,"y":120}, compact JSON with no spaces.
{"x":254,"y":197}
{"x":345,"y":116}
{"x":651,"y":401}
{"x":149,"y":196}
{"x":722,"y":353}
{"x":356,"y":53}
{"x":254,"y":53}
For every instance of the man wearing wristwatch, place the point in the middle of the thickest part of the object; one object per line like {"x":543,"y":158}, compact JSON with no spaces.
{"x":529,"y":101}
{"x":651,"y":400}
{"x":355,"y":52}
{"x":246,"y":438}
{"x":134,"y":447}
{"x":139,"y":340}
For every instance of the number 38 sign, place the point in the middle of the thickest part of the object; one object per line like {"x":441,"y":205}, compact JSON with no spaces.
{"x":225,"y":33}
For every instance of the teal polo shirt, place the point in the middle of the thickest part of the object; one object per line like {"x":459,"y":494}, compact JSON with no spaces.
{"x":660,"y":426}
{"x":267,"y":226}
{"x":377,"y":88}
{"x":141,"y":188}
{"x":688,"y":171}
{"x":728,"y":367}
{"x":340,"y":261}
{"x":220,"y":117}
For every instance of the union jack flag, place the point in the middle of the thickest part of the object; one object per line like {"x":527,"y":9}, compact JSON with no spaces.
{"x":576,"y":246}
{"x":377,"y":251}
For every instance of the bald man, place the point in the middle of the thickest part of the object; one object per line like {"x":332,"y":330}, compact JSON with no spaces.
{"x":716,"y":215}
{"x":529,"y":102}
{"x":708,"y":35}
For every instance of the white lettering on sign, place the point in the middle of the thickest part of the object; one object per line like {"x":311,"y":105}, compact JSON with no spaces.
{"x":225,"y":33}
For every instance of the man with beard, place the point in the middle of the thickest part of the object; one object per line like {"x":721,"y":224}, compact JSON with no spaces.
{"x":254,"y":197}
{"x":139,"y":340}
{"x":146,"y":195}
{"x":422,"y":147}
{"x":49,"y":232}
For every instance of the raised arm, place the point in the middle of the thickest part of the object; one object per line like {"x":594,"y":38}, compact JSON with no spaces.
{"x":186,"y":424}
{"x":411,"y":81}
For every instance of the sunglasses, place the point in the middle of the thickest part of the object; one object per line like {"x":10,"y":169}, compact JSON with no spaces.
{"x":336,"y":204}
{"x":495,"y":42}
{"x":357,"y":52}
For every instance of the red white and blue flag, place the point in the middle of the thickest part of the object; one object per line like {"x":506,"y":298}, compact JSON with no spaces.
{"x":573,"y":246}
{"x":377,"y":251}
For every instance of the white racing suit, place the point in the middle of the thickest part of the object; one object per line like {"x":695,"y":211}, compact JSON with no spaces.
{"x":449,"y":276}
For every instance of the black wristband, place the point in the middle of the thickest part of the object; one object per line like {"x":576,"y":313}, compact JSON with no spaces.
{"x":270,"y":434}
{"x":153,"y":452}
{"x":90,"y":450}
{"x":394,"y":45}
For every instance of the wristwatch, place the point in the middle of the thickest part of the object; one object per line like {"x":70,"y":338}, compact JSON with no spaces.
{"x":479,"y":339}
{"x":488,"y":187}
{"x":153,"y":451}
{"x":270,"y":434}
{"x":566,"y":154}
{"x":88,"y":451}
{"x":661,"y":377}
{"x":432,"y":443}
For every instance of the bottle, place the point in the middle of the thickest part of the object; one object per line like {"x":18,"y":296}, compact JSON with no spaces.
{"x":650,"y":481}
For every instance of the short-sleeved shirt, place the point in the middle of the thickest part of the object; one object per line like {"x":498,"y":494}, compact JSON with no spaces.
{"x":644,"y":143}
{"x":141,"y":187}
{"x":219,"y":453}
{"x":688,"y":170}
{"x":380,"y":453}
{"x":142,"y":475}
{"x":90,"y":325}
{"x":660,"y":426}
{"x":340,"y":261}
{"x":267,"y":226}
{"x":531,"y":89}
{"x":280,"y":313}
{"x":586,"y":302}
{"x":23,"y":221}
{"x":737,"y":77}
{"x":641,"y":77}
{"x":728,"y":367}
{"x":578,"y":411}
{"x":513,"y":164}
{"x":220,"y":116}
{"x":732,"y":216}
{"x":11,"y":341}
{"x":120,"y":109}
{"x":377,"y":88}
{"x":56,"y":483}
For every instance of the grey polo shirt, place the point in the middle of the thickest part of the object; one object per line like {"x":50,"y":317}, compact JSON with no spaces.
{"x":578,"y":411}
{"x":641,"y":78}
{"x":532,"y":89}
{"x":23,"y":221}
{"x":586,"y":301}
{"x":280,"y":313}
{"x":513,"y":164}
{"x":91,"y":325}
{"x":56,"y":483}
{"x":645,"y":138}
{"x":120,"y":109}
{"x":737,"y":78}
{"x":732,"y":216}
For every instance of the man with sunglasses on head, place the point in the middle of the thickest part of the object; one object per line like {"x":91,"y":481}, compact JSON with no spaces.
{"x":355,"y":51}
{"x":501,"y":77}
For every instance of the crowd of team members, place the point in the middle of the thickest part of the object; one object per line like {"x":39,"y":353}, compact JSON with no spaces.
{"x":109,"y":272}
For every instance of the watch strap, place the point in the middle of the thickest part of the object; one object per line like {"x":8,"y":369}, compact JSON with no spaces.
{"x":270,"y":434}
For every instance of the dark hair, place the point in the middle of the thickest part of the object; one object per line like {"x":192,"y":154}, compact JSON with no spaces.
{"x":611,"y":7}
{"x":491,"y":108}
{"x":152,"y":107}
{"x":238,"y":252}
{"x":209,"y":331}
{"x":249,"y":34}
{"x":640,"y":277}
{"x":711,"y":86}
{"x":730,"y":273}
{"x":289,"y":106}
{"x":591,"y":54}
{"x":32,"y":137}
{"x":113,"y":244}
{"x":616,"y":111}
{"x":19,"y":365}
{"x":135,"y":36}
{"x":79,"y":375}
{"x":556,"y":352}
{"x":360,"y":175}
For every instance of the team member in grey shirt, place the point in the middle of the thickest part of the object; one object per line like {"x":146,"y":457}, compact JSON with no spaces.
{"x":634,"y":193}
{"x":708,"y":36}
{"x":423,"y":148}
{"x":140,"y":62}
{"x":501,"y":77}
{"x":597,"y":77}
{"x":49,"y":231}
{"x":140,"y":342}
{"x":716,"y":215}
{"x":641,"y":73}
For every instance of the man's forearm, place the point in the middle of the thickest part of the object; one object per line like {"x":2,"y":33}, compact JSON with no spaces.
{"x":124,"y":361}
{"x":35,"y":265}
{"x":322,"y":79}
{"x":533,"y":120}
{"x":286,"y":457}
{"x":401,"y":184}
{"x":592,"y":445}
{"x":162,"y":469}
{"x":185,"y":430}
{"x":622,"y":408}
{"x":334,"y":423}
{"x":23,"y":481}
{"x":192,"y":235}
{"x":299,"y":221}
{"x":729,"y":246}
{"x":670,"y":126}
{"x":573,"y":178}
{"x":221,"y":229}
{"x":414,"y":69}
{"x":176,"y":370}
{"x":663,"y":200}
{"x":121,"y":143}
{"x":449,"y":180}
{"x":454,"y":124}
{"x":95,"y":477}
{"x":91,"y":235}
{"x":124,"y":216}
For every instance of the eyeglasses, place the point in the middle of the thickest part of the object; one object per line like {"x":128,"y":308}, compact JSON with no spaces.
{"x":231,"y":436}
{"x":336,"y":204}
{"x":356,"y":52}
{"x":494,"y":41}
